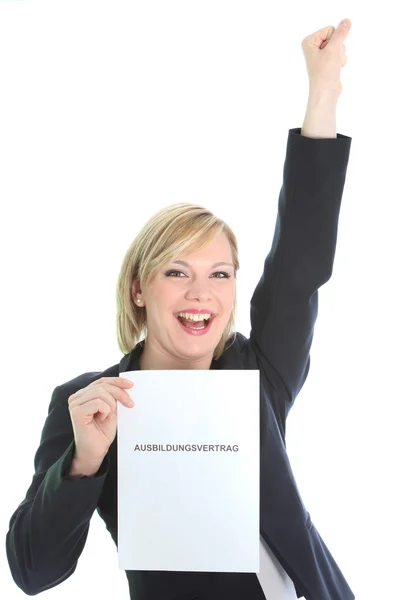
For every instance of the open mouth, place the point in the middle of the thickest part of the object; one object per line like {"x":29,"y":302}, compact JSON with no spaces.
{"x":195,"y":327}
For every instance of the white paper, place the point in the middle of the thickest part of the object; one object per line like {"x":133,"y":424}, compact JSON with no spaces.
{"x":274,"y":580}
{"x":190,"y":510}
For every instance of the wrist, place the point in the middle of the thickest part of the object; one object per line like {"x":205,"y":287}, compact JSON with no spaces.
{"x":81,"y":468}
{"x":323,"y":94}
{"x":320,"y":119}
{"x":322,"y":99}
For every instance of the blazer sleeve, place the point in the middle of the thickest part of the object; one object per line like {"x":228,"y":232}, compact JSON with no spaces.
{"x":284,"y":305}
{"x":48,"y":531}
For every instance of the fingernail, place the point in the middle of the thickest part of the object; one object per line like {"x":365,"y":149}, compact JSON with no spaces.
{"x":346,"y":22}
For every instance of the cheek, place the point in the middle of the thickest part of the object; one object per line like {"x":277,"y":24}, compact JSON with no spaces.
{"x":228,"y":296}
{"x":164,"y":299}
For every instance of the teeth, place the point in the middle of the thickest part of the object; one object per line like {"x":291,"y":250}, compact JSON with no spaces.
{"x":192,"y":317}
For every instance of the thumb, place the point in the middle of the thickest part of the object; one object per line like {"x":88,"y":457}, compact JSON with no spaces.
{"x":341,"y":32}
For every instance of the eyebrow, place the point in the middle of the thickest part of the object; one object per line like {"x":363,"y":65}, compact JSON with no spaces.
{"x":218,"y":264}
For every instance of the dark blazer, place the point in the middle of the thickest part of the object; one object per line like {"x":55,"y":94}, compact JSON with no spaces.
{"x":48,"y":530}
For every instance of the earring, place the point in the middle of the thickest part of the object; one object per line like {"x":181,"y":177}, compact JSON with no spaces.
{"x":139,"y":300}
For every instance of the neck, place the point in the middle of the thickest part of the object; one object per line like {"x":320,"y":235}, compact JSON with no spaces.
{"x":151,"y":359}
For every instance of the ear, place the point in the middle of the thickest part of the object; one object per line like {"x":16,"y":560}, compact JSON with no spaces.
{"x":136,"y":291}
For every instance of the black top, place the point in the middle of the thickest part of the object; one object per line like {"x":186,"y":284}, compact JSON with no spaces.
{"x":48,"y":530}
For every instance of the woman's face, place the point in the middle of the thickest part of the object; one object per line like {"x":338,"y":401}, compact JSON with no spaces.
{"x":199,"y":284}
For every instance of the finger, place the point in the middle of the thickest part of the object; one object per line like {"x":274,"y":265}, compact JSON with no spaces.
{"x":92,"y":408}
{"x":92,"y":393}
{"x":120,"y":381}
{"x":110,"y":392}
{"x":319,"y":39}
{"x":341,"y":32}
{"x":118,"y":394}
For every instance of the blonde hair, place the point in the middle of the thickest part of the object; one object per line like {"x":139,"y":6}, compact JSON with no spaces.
{"x":174,"y":230}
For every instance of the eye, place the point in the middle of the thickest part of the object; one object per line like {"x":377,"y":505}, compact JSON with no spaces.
{"x":172,"y":273}
{"x":169,"y":273}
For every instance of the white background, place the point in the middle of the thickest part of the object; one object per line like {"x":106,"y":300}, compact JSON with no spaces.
{"x":110,"y":110}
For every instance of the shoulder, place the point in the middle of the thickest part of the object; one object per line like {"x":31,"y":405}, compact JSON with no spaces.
{"x":237,"y":354}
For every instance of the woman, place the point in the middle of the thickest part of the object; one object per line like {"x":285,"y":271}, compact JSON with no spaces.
{"x":184,"y":263}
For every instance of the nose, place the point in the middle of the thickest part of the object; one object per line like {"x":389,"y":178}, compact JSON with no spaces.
{"x":198,"y":292}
